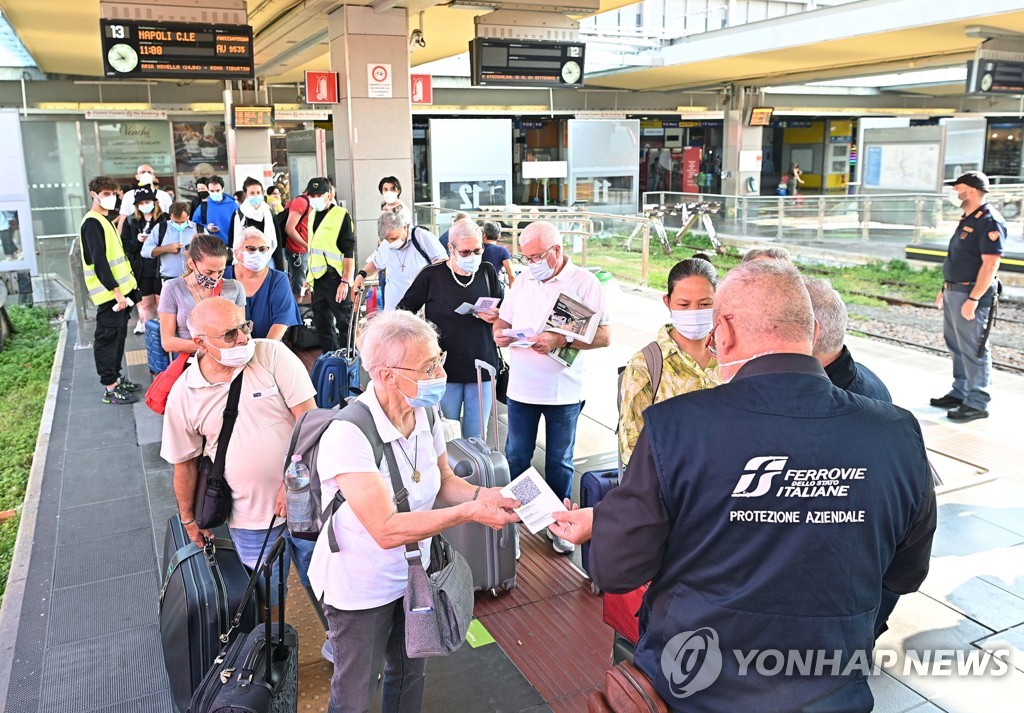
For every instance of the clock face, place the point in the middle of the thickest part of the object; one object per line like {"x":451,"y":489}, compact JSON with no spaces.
{"x":986,"y":82}
{"x":571,"y":72}
{"x":123,"y":58}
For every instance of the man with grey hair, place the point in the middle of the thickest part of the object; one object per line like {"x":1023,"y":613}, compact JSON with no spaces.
{"x":770,"y":253}
{"x":767,"y":513}
{"x":539,"y":384}
{"x":404,"y":250}
{"x":830,"y":316}
{"x":275,"y":391}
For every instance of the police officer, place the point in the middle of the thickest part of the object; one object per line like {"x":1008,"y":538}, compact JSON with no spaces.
{"x":332,"y":247}
{"x":967,"y":296}
{"x":769,"y":513}
{"x":111,"y":284}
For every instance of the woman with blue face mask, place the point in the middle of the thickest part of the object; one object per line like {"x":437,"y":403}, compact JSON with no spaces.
{"x":681,"y":350}
{"x":363,"y":584}
{"x":253,"y":212}
{"x":146,"y":218}
{"x":441,"y":289}
{"x":269,"y":303}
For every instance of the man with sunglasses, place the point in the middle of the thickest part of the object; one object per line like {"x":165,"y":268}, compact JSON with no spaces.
{"x":538,"y":384}
{"x":276,"y":390}
{"x":769,"y":513}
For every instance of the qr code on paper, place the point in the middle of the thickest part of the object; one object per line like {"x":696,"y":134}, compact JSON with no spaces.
{"x":525,"y":491}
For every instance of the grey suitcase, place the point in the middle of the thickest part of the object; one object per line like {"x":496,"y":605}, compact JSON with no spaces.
{"x":491,"y":554}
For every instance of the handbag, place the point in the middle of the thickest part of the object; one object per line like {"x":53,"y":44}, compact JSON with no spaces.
{"x":213,"y":494}
{"x":501,"y":380}
{"x":160,"y":389}
{"x":626,"y":690}
{"x":438,"y":603}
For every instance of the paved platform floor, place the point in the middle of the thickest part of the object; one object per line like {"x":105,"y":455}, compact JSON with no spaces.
{"x":85,"y":636}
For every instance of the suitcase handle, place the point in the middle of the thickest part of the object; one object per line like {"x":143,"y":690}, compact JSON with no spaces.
{"x":276,"y":553}
{"x":481,"y":366}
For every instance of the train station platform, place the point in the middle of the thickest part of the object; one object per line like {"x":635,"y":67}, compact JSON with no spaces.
{"x":78,"y":628}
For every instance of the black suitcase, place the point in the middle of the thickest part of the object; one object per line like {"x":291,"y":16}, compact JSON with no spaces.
{"x":303,"y":336}
{"x":202,"y":590}
{"x":259,"y":671}
{"x":491,"y":554}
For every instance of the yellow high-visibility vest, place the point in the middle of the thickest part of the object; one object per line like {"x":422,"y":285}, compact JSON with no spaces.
{"x":323,"y":244}
{"x":119,"y":265}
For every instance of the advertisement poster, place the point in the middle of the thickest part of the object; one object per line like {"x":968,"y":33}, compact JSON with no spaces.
{"x":124,"y":145}
{"x":200,"y":148}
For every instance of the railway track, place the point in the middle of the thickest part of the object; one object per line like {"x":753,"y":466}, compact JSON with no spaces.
{"x":1001,"y":365}
{"x":901,"y":302}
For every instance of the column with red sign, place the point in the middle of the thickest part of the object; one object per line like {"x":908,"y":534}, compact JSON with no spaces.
{"x":690,"y":169}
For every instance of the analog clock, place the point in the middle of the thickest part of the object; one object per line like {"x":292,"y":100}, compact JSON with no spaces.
{"x":571,"y":72}
{"x":122,"y":58}
{"x":986,"y":82}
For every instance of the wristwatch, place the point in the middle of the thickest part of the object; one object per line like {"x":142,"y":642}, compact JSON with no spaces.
{"x":569,"y":341}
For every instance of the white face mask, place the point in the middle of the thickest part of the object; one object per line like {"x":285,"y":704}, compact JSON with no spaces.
{"x":953,"y":198}
{"x":237,"y":356}
{"x":108,"y":202}
{"x":146,"y":179}
{"x":393,"y":245}
{"x":470,"y":264}
{"x":693,"y":323}
{"x":256,"y":261}
{"x":541,"y":271}
{"x":389,"y":197}
{"x":318,"y":203}
{"x":724,"y":364}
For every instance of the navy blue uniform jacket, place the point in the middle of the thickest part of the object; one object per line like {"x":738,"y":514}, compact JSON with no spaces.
{"x":769,"y":511}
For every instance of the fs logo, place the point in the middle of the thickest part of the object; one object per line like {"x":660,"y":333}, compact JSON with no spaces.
{"x":691,"y":661}
{"x":765,"y":466}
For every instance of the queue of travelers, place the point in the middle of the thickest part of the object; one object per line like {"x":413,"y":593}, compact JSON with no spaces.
{"x":702,"y":434}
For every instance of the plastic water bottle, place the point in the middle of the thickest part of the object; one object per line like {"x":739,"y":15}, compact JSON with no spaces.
{"x":297,"y":496}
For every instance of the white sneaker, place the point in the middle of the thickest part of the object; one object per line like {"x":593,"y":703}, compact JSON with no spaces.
{"x":327,"y":651}
{"x":140,"y":328}
{"x":562,"y":547}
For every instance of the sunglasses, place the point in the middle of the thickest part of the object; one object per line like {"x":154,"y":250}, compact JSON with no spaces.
{"x":231,"y":336}
{"x":467,"y":253}
{"x":252,"y":249}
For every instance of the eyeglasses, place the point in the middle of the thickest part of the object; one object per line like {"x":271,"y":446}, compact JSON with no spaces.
{"x":467,"y":253}
{"x":534,"y":259}
{"x":434,"y":367}
{"x":710,"y":343}
{"x":257,"y":248}
{"x":231,"y":336}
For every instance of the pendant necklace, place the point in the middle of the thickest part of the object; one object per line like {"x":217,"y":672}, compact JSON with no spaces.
{"x":456,"y":276}
{"x":412,"y":463}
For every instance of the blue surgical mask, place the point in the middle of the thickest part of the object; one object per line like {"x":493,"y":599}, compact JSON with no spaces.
{"x":428,"y":392}
{"x":255,"y":201}
{"x":470,"y":264}
{"x":216,"y":197}
{"x":693,"y":323}
{"x":146,"y":208}
{"x":541,"y":271}
{"x":180,"y":227}
{"x":318,"y":204}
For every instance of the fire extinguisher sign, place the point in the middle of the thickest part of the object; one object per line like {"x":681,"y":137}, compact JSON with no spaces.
{"x":321,"y":87}
{"x":420,"y":89}
{"x":379,"y":82}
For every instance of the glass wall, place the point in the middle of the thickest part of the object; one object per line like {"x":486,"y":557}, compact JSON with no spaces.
{"x":1003,"y":150}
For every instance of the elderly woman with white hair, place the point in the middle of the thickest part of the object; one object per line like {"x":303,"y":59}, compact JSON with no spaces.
{"x":440,"y":290}
{"x":363,"y":584}
{"x":269,"y":303}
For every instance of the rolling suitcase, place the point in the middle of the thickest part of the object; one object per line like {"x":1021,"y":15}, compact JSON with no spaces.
{"x":259,"y":671}
{"x":336,"y":374}
{"x":491,"y":555}
{"x":156,"y":356}
{"x":594,"y":485}
{"x":201,"y":591}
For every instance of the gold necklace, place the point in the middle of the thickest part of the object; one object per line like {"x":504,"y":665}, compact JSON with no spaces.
{"x":412,"y":463}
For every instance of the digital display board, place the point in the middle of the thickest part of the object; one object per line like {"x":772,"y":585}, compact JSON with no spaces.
{"x":252,"y":117}
{"x":995,"y":77}
{"x":515,"y":63}
{"x":166,"y":50}
{"x":761,"y":116}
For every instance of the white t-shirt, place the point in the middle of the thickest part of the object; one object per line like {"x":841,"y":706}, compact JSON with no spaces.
{"x":362,"y":575}
{"x":274,"y":381}
{"x":537,"y":378}
{"x":128,"y":202}
{"x":404,"y":264}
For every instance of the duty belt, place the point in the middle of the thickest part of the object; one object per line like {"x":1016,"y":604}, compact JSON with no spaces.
{"x":957,"y":286}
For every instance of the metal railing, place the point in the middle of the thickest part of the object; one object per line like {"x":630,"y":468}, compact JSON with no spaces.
{"x":84,"y":310}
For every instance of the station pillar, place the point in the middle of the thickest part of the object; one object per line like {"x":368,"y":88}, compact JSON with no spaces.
{"x":373,"y":119}
{"x":741,"y":144}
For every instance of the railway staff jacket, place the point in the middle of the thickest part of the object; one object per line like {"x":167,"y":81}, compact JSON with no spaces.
{"x":768,"y":513}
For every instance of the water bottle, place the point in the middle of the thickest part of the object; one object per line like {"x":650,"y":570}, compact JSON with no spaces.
{"x":297,"y":496}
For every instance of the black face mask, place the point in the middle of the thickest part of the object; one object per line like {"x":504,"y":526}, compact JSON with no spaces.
{"x":203,"y":195}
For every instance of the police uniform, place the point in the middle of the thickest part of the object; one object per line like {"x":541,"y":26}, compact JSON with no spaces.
{"x":766,"y":523}
{"x":982,"y":232}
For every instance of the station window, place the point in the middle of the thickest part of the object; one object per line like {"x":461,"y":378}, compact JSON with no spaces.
{"x":1003,"y":149}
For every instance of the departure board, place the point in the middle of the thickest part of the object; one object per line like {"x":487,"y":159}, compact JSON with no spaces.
{"x":165,"y":50}
{"x":516,"y":63}
{"x":252,"y":117}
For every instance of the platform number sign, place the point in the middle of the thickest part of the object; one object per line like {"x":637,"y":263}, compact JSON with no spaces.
{"x":473,"y":195}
